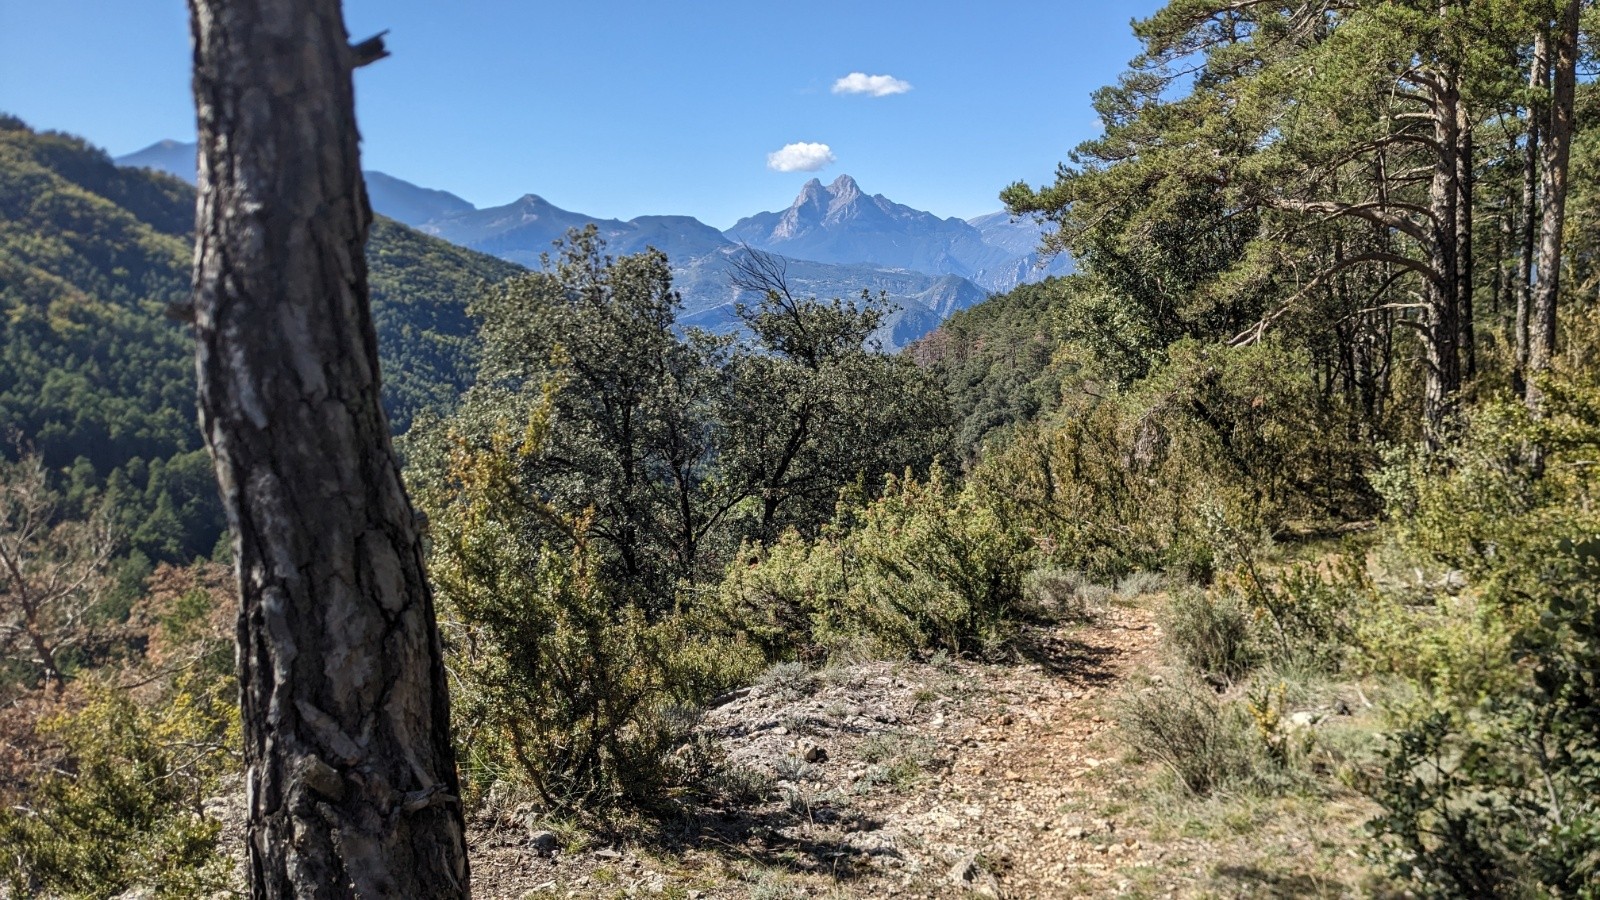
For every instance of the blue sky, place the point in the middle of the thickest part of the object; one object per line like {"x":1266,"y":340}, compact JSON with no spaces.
{"x":620,"y":109}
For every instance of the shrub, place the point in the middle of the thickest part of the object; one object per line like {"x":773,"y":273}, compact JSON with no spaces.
{"x":1061,"y":595}
{"x":564,"y":681}
{"x":1469,"y":812}
{"x":781,"y":599}
{"x":1212,"y":632}
{"x":1124,"y":483}
{"x":577,"y":697}
{"x":119,"y":805}
{"x":104,"y":789}
{"x":790,"y":680}
{"x":1142,"y":583}
{"x":1492,"y":781}
{"x":1079,"y":488}
{"x":1301,"y":616}
{"x":1207,"y":743}
{"x":926,"y":566}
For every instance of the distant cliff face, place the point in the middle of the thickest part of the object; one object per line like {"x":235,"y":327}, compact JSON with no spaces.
{"x":837,"y":239}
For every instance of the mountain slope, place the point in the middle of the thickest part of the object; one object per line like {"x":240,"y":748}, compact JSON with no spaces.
{"x":523,"y":230}
{"x":405,"y":202}
{"x":922,"y":301}
{"x":997,"y":360}
{"x":701,"y":258}
{"x":91,"y":368}
{"x":1019,"y":237}
{"x":390,"y":196}
{"x":839,"y":223}
{"x":176,"y":158}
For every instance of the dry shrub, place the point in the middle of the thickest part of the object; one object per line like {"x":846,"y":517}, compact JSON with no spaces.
{"x":1207,"y":743}
{"x":1212,"y":632}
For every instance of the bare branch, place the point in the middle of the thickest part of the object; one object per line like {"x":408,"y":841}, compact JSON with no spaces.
{"x":1255,"y":332}
{"x":1374,"y":212}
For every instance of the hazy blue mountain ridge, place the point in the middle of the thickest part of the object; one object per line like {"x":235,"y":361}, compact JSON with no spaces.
{"x":922,"y":301}
{"x":1019,"y":237}
{"x":409,"y":204}
{"x":394,"y":197}
{"x":172,"y":157}
{"x":836,"y":239}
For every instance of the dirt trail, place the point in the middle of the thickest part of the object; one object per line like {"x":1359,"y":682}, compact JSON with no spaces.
{"x":1021,"y":771}
{"x":941,"y":779}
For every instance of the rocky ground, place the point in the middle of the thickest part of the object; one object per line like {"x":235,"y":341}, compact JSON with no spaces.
{"x":949,"y":778}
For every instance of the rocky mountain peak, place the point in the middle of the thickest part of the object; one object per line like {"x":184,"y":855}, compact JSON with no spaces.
{"x":844,"y":190}
{"x":812,"y":195}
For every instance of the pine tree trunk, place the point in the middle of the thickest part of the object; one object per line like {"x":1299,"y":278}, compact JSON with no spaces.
{"x":1501,"y":293}
{"x":1537,"y":71}
{"x":1465,"y":325}
{"x":1441,"y":326}
{"x":1553,"y":196}
{"x":351,"y":773}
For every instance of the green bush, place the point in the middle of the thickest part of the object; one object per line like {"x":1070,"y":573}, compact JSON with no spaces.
{"x":1124,"y":482}
{"x":1468,"y":811}
{"x":925,"y":567}
{"x":562,"y":683}
{"x":1492,"y":781}
{"x":120,"y":806}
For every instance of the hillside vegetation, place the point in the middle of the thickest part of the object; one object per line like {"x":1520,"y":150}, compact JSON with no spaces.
{"x":97,"y":368}
{"x":1259,"y":557}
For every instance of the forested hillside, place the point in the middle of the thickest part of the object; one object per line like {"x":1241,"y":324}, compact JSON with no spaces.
{"x":97,"y":366}
{"x":1001,"y":361}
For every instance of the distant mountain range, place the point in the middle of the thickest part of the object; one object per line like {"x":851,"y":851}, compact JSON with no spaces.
{"x":841,"y":224}
{"x":837,"y":241}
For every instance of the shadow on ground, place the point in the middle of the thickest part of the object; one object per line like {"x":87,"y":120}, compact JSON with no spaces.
{"x":1253,"y":881}
{"x":1068,"y":656}
{"x":796,"y":838}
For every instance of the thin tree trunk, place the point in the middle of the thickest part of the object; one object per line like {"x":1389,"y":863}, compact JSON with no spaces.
{"x":1537,"y":71}
{"x":1553,"y":196}
{"x":1505,"y":228}
{"x":351,"y":773}
{"x":1466,"y":337}
{"x":1441,"y":353}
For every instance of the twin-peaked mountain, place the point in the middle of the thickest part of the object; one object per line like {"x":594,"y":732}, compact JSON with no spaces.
{"x":841,"y":224}
{"x":836,"y":240}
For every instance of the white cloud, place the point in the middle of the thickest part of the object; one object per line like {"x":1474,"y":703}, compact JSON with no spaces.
{"x":876,"y":85}
{"x":800,"y":157}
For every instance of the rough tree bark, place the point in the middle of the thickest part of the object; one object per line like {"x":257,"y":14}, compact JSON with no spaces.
{"x":351,"y":774}
{"x":1553,"y":194}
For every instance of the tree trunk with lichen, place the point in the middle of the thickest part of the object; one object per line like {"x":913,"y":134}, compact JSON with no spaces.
{"x":351,"y":774}
{"x":1564,"y":52}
